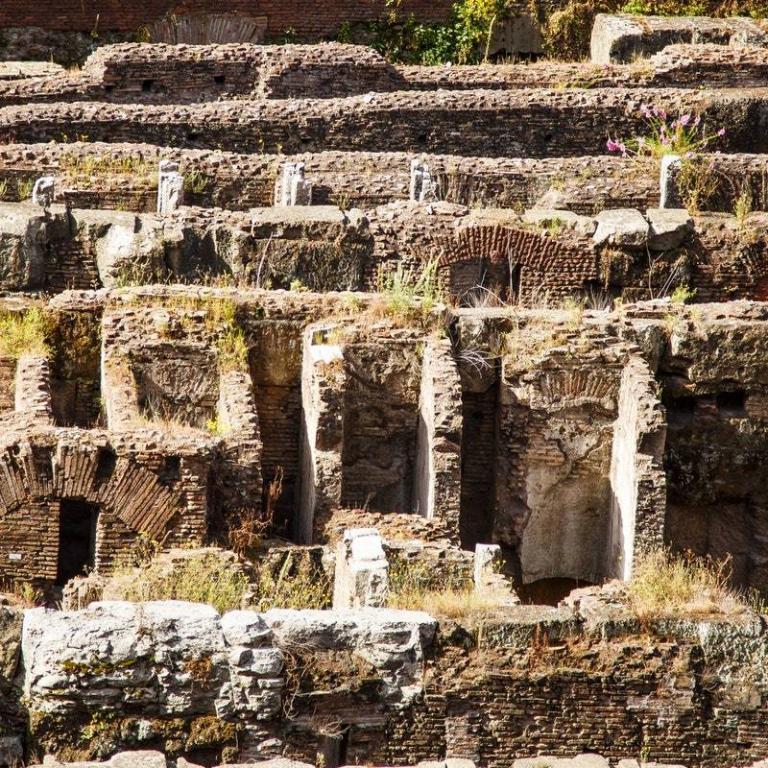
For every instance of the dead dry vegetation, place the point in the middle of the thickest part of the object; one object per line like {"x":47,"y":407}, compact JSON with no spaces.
{"x":665,"y":585}
{"x":417,"y":586}
{"x":219,"y":578}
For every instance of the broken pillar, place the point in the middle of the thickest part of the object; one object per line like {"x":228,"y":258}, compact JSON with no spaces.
{"x":33,"y":388}
{"x":170,"y":187}
{"x":423,"y":187}
{"x":488,"y":561}
{"x":437,"y":484}
{"x":670,"y":193}
{"x":44,"y":191}
{"x":489,"y":577}
{"x":361,"y":578}
{"x":294,"y":187}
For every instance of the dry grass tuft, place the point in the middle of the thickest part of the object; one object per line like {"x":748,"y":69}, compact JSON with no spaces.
{"x":665,"y":585}
{"x":23,"y":334}
{"x":204,"y":576}
{"x":298,"y":583}
{"x":415,"y":586}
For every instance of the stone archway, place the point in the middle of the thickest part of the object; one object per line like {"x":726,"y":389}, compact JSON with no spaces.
{"x":59,"y":476}
{"x":520,"y":264}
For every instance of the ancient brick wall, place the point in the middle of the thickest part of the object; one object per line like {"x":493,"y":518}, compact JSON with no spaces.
{"x":491,"y":123}
{"x":118,"y":16}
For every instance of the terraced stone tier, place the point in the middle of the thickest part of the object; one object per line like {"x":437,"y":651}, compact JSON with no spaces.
{"x":535,"y":123}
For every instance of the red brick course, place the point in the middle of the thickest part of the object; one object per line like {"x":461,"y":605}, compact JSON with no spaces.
{"x":308,"y":19}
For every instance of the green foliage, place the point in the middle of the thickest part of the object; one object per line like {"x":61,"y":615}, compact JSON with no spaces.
{"x":233,"y":350}
{"x":665,"y":135}
{"x":23,"y":334}
{"x":682,"y":294}
{"x":718,"y":8}
{"x":409,"y":295}
{"x":232,"y":345}
{"x":465,"y":39}
{"x":196,"y":182}
{"x":218,"y":427}
{"x":82,"y":169}
{"x":24,"y":189}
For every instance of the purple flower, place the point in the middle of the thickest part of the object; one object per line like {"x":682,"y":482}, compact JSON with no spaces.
{"x":721,"y":132}
{"x":616,"y":146}
{"x":645,"y":111}
{"x":660,"y":113}
{"x":683,"y":120}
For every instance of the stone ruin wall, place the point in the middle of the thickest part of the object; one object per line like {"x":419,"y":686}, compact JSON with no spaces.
{"x":575,"y":439}
{"x":277,"y":17}
{"x":681,"y":695}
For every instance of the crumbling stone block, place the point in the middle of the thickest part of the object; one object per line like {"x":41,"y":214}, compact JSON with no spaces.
{"x":621,"y":38}
{"x":423,"y":186}
{"x":361,"y":578}
{"x":555,"y":219}
{"x":621,"y":226}
{"x":669,"y":190}
{"x":295,"y":189}
{"x":669,"y":228}
{"x":488,"y":560}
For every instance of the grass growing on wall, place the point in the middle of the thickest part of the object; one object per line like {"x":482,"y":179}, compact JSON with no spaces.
{"x":216,"y":578}
{"x":417,"y":586}
{"x":199,"y":577}
{"x":668,"y":584}
{"x":23,"y":334}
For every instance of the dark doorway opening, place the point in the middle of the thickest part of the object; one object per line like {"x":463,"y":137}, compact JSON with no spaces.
{"x":77,"y":539}
{"x":549,"y":591}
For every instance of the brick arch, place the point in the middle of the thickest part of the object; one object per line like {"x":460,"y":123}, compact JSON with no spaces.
{"x":34,"y":473}
{"x":544,"y":261}
{"x":579,"y":386}
{"x":205,"y":27}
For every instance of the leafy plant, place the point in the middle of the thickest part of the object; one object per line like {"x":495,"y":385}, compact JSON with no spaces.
{"x":24,"y":189}
{"x":233,"y":350}
{"x":682,"y":294}
{"x":408,"y":294}
{"x":196,"y":182}
{"x":465,"y":39}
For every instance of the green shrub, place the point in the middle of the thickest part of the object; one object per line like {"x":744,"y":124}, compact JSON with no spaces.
{"x":409,"y":295}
